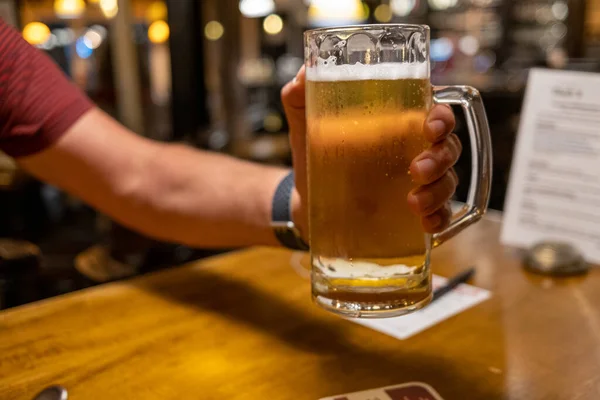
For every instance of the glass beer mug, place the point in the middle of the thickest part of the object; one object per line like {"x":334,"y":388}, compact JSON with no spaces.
{"x":368,"y":95}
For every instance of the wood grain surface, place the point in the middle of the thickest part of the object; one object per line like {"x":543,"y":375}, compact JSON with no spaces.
{"x":242,"y":326}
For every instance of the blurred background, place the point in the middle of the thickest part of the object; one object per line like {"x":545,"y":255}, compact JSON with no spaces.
{"x":209,"y":72}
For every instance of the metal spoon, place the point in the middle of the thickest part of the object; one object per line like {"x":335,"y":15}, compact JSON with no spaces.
{"x":52,"y":393}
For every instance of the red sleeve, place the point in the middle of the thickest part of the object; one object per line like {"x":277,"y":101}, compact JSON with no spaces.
{"x":37,"y":102}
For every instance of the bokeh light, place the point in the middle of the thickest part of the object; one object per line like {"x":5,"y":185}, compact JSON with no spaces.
{"x":102,"y":31}
{"x":36,"y":33}
{"x":158,"y":32}
{"x":82,"y":49}
{"x":64,"y":36}
{"x":49,"y":44}
{"x":256,"y":8}
{"x":213,"y":30}
{"x":156,"y":11}
{"x":469,"y":45}
{"x":442,"y":49}
{"x":92,"y":39}
{"x":383,"y":13}
{"x":402,"y":8}
{"x":109,"y":8}
{"x":69,"y":8}
{"x":331,"y":12}
{"x":560,"y":10}
{"x":273,"y":24}
{"x":273,"y":122}
{"x":442,"y":4}
{"x":558,"y":30}
{"x":484,"y":61}
{"x":366,"y":10}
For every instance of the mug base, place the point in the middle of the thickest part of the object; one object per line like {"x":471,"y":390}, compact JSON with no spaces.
{"x":352,"y":309}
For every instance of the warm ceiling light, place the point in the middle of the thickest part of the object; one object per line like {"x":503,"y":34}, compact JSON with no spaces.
{"x":273,"y":24}
{"x":36,"y":33}
{"x":69,"y":8}
{"x":213,"y":30}
{"x":383,"y":13}
{"x":329,"y":12}
{"x":157,"y":11}
{"x":442,"y":4}
{"x":109,"y":8}
{"x":158,"y":32}
{"x":256,"y":8}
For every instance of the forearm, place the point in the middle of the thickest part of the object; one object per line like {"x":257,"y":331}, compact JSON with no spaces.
{"x":166,"y":191}
{"x":203,"y":199}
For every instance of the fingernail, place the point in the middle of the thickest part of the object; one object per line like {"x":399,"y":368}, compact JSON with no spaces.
{"x":437,"y":127}
{"x":426,"y":167}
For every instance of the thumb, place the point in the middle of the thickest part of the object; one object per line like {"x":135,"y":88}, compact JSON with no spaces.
{"x":292,"y":97}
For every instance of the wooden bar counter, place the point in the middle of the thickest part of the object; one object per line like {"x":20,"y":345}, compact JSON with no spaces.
{"x":242,"y":326}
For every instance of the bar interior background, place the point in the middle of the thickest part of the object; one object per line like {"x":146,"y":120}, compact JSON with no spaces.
{"x":209,"y":73}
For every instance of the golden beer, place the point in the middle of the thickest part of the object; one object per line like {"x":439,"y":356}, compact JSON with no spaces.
{"x":362,"y":138}
{"x":368,"y":95}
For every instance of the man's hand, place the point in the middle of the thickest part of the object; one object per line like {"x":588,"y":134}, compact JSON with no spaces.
{"x":432,"y":170}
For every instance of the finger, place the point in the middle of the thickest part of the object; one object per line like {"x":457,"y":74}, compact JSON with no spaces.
{"x":428,"y":199}
{"x":437,"y":221}
{"x":293,"y":99}
{"x":292,"y":94}
{"x":439,"y":123}
{"x":433,"y":163}
{"x":455,"y":175}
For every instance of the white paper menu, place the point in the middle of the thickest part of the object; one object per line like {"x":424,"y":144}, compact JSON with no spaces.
{"x":554,"y":189}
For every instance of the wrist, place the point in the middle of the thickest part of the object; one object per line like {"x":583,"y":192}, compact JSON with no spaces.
{"x":287,"y":216}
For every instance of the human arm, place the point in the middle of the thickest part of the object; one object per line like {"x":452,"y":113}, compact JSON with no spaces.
{"x":167,"y":191}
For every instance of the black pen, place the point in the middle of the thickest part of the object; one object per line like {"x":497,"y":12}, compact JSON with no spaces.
{"x":452,"y":283}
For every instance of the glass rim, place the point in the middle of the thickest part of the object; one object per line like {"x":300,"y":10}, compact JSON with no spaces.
{"x":366,"y":27}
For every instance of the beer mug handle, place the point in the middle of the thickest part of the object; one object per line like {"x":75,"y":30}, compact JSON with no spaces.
{"x":481,"y":149}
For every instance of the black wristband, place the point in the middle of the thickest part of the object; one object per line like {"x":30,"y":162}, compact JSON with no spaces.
{"x":281,"y":215}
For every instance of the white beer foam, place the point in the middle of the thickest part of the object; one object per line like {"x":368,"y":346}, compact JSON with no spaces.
{"x":338,"y":268}
{"x":361,"y":72}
